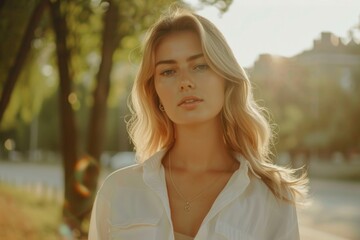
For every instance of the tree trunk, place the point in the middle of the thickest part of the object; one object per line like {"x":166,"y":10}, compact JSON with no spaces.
{"x":21,"y":56}
{"x":2,"y":2}
{"x":97,"y":124}
{"x":98,"y":115}
{"x":73,"y":209}
{"x":79,"y":200}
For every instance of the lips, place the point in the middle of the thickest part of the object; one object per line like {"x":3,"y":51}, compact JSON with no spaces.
{"x":189,"y":100}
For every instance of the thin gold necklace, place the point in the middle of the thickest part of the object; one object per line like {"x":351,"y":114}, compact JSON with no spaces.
{"x":187,"y":206}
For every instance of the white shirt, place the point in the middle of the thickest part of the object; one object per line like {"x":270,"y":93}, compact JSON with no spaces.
{"x":132,"y":204}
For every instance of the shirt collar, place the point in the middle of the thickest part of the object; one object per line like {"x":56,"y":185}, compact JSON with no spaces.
{"x":245,"y":164}
{"x":154,"y":162}
{"x":154,"y":178}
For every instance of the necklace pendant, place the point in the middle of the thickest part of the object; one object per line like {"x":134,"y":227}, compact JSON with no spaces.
{"x":187,"y":207}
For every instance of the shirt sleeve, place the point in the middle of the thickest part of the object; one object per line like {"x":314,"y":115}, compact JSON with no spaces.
{"x":98,"y":229}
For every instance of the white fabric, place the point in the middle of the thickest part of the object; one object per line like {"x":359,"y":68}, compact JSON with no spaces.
{"x":132,"y":204}
{"x":179,"y":236}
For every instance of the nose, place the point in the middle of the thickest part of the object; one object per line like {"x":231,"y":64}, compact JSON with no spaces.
{"x":186,"y":82}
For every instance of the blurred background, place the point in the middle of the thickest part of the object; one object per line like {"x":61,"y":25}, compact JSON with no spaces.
{"x":66,"y":69}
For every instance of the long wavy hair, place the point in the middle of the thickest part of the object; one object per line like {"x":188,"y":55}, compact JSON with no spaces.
{"x":245,"y":129}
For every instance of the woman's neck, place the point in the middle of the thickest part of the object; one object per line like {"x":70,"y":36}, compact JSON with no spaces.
{"x":200,"y":148}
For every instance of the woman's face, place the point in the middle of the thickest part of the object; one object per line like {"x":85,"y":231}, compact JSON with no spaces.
{"x":190,"y":91}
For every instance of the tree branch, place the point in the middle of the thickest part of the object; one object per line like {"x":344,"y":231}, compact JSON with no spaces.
{"x":24,"y":49}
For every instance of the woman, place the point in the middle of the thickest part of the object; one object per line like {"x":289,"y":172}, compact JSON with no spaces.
{"x":203,"y":148}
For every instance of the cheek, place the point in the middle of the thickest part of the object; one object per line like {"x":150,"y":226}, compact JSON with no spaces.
{"x":158,"y":89}
{"x":221,"y":95}
{"x":220,"y":90}
{"x":163,"y":93}
{"x":221,"y":100}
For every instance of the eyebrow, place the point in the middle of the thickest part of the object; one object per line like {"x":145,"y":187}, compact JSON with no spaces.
{"x":170,"y":61}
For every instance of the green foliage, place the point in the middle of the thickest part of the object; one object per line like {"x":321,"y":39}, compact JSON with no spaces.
{"x":36,"y":83}
{"x":13,"y":21}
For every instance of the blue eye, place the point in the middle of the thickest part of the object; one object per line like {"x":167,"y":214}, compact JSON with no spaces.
{"x":201,"y":67}
{"x":167,"y":73}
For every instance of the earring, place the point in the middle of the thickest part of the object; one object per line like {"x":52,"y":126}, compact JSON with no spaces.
{"x":161,"y":107}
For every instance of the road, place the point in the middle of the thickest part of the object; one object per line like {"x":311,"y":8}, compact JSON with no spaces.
{"x":334,"y":213}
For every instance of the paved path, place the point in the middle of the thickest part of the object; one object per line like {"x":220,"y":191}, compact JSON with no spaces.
{"x":335,"y":209}
{"x":333,"y":215}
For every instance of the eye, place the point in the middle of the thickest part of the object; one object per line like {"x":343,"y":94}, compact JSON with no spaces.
{"x":201,"y":67}
{"x":168,"y":73}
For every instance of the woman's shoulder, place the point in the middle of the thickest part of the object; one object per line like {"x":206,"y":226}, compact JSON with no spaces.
{"x":131,"y":170}
{"x":128,"y":177}
{"x":260,"y":191}
{"x":262,"y":200}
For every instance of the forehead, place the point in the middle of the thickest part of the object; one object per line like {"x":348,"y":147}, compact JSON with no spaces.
{"x":178,"y":45}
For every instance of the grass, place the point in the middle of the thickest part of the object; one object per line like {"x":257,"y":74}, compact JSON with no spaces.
{"x":27,"y":216}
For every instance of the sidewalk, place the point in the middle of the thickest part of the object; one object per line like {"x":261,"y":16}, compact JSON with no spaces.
{"x":334,"y":211}
{"x":307,"y":233}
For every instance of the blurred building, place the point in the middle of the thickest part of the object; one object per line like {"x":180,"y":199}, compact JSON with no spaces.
{"x":328,"y":50}
{"x":314,"y":95}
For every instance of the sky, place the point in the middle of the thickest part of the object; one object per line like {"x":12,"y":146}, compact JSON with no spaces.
{"x":281,"y":27}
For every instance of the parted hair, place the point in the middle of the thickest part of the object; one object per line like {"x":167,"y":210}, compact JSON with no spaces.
{"x":245,"y":129}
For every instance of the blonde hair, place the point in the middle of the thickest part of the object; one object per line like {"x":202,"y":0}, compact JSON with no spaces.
{"x":246,"y":130}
